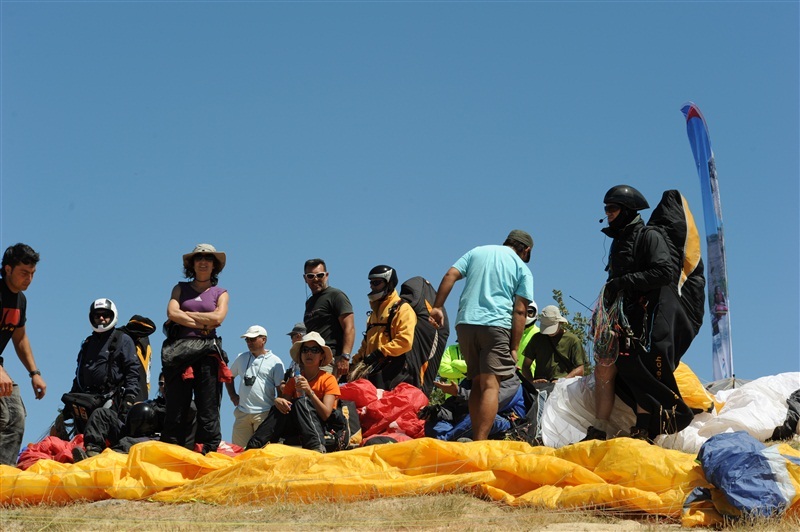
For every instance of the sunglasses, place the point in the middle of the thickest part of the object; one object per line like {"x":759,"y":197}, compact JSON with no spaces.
{"x":314,"y":350}
{"x":312,"y":276}
{"x":376,"y":282}
{"x":253,"y":339}
{"x":160,"y":383}
{"x":531,"y":312}
{"x":105,"y":314}
{"x":612,"y":208}
{"x":204,"y":256}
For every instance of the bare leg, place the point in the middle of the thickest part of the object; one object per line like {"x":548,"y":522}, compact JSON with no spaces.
{"x":483,"y":401}
{"x":604,"y":395}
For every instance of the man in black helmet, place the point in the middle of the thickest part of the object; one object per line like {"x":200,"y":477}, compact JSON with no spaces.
{"x":640,"y":270}
{"x":390,"y":331}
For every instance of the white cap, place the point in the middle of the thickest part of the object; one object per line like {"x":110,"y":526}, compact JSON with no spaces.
{"x":549,"y":319}
{"x":255,"y":331}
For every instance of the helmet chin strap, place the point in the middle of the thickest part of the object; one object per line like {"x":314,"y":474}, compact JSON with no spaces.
{"x":377,"y":296}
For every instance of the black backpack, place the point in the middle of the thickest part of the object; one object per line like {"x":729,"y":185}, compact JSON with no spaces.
{"x":673,"y":219}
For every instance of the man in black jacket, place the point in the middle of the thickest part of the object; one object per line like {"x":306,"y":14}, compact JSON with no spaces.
{"x":108,"y":368}
{"x":641,"y":268}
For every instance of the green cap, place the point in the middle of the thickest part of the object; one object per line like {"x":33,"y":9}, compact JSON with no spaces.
{"x":518,"y":235}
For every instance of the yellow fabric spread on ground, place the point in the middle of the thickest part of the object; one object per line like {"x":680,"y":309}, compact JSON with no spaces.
{"x":619,"y":473}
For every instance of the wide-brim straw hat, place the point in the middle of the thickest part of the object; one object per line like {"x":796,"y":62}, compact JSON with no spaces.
{"x":313,"y":336}
{"x":204,"y":248}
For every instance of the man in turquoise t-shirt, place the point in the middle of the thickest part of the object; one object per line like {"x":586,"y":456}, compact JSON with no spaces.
{"x":491,"y":317}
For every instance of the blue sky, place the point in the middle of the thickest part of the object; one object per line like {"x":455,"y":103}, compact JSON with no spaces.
{"x":364,"y":133}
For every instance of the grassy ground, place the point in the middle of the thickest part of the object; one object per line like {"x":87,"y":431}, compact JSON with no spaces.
{"x":441,"y":512}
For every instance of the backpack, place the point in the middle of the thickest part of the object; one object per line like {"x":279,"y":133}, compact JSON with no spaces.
{"x":139,"y":328}
{"x":421,"y":363}
{"x":673,"y":219}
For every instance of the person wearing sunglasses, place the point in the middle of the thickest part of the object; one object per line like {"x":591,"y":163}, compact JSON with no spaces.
{"x":107,"y":376}
{"x":330,"y":313}
{"x":390,"y":332}
{"x":640,"y":270}
{"x":261,"y":372}
{"x":192,"y":358}
{"x":306,"y":410}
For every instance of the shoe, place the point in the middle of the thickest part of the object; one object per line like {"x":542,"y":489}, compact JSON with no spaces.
{"x":464,"y":440}
{"x":638,"y":433}
{"x":78,"y":454}
{"x":595,"y":434}
{"x":92,"y":451}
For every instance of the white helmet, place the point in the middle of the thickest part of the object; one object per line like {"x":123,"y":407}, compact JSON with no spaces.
{"x":528,"y":318}
{"x":103,"y":304}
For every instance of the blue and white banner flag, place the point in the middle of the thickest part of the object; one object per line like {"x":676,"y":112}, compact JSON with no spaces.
{"x":716,"y":272}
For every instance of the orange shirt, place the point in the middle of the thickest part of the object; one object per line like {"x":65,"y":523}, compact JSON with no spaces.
{"x":322,"y":385}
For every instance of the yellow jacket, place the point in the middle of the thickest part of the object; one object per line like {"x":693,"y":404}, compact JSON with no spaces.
{"x":377,"y":336}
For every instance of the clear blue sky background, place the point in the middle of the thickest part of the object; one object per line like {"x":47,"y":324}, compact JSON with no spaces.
{"x":403,"y":133}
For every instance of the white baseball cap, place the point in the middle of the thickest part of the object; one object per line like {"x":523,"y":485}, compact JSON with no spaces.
{"x":255,"y":331}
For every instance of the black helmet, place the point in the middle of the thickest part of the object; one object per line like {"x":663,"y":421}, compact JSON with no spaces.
{"x":627,"y":196}
{"x":142,"y":421}
{"x":388,"y":274}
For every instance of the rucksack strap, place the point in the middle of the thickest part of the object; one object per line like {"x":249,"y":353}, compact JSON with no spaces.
{"x":389,"y":319}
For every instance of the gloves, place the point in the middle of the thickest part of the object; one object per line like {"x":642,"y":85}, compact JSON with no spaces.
{"x":373,"y":358}
{"x":429,"y":413}
{"x":125,"y":406}
{"x":611,"y":290}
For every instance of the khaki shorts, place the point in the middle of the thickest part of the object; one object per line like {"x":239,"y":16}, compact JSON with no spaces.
{"x":487,"y":350}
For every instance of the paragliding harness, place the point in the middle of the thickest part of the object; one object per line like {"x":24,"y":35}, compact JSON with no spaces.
{"x":78,"y":406}
{"x":139,"y":328}
{"x":611,"y":329}
{"x":420,"y":365}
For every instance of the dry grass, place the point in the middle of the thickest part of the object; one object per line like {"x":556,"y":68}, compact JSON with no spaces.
{"x":441,"y":512}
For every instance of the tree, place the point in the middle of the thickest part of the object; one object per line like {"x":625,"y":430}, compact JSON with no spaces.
{"x":578,"y":325}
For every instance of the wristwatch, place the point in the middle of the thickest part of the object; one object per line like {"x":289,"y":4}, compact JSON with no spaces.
{"x":34,"y":372}
{"x":346,"y":356}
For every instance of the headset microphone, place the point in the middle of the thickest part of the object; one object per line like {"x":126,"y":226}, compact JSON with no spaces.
{"x":601,"y":219}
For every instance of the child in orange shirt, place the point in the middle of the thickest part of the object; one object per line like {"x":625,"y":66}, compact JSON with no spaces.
{"x":306,"y":410}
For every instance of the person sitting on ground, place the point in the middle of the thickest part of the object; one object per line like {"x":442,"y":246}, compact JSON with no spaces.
{"x":390,"y":332}
{"x":107,"y":373}
{"x":144,"y":422}
{"x":307,"y":408}
{"x":453,"y":367}
{"x":261,"y":372}
{"x":557,"y":352}
{"x":450,"y":421}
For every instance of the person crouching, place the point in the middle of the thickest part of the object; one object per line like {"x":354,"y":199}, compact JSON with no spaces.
{"x":306,"y":410}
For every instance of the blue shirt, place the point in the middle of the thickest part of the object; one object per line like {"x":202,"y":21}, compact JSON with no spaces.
{"x":268,"y":372}
{"x":493,"y":276}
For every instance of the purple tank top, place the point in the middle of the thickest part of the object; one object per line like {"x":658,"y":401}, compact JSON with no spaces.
{"x":193,"y":301}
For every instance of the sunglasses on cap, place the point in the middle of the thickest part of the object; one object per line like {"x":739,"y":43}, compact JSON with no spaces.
{"x":314,"y":350}
{"x":312,"y":276}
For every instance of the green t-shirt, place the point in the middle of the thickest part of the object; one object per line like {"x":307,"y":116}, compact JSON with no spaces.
{"x":555,"y":357}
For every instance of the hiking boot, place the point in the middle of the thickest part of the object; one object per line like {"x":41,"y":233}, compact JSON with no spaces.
{"x":92,"y":451}
{"x":595,"y":434}
{"x":638,"y":433}
{"x":78,"y":454}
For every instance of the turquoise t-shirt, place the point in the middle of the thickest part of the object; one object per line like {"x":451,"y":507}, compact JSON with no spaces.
{"x":493,"y":276}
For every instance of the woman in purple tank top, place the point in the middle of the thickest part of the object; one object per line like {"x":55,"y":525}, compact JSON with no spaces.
{"x":193,"y":357}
